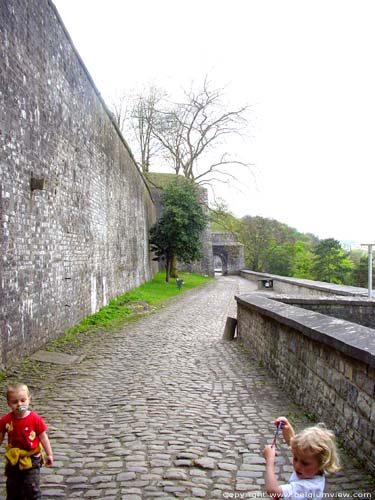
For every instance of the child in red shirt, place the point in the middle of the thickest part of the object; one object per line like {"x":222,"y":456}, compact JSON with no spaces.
{"x":26,"y":436}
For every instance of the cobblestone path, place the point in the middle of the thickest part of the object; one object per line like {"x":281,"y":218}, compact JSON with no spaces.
{"x":163,"y":408}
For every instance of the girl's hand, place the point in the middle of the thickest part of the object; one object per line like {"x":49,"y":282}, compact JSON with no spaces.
{"x":49,"y":462}
{"x":269,"y":453}
{"x":286,"y":429}
{"x":284,"y":420}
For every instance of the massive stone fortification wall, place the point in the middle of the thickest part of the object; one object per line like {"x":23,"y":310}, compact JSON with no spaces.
{"x":75,"y":210}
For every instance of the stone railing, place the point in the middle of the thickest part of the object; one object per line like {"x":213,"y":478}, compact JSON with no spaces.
{"x":302,"y":287}
{"x":354,"y":309}
{"x":327,"y":365}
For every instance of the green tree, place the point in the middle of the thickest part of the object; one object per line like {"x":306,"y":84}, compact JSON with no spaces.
{"x":303,"y":261}
{"x":360,"y":271}
{"x":269,"y":245}
{"x":256,"y":235}
{"x":280,"y":259}
{"x":222,"y":220}
{"x":176,"y":235}
{"x":331,"y":263}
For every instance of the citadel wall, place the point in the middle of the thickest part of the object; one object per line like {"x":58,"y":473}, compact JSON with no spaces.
{"x":75,"y":211}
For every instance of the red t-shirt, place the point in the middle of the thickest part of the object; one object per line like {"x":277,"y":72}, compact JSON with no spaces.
{"x":23,"y":432}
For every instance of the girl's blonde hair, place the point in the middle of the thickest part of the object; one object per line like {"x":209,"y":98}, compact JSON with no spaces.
{"x":321,"y":442}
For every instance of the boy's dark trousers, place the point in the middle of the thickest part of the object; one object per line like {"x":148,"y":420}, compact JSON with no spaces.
{"x":23,"y":484}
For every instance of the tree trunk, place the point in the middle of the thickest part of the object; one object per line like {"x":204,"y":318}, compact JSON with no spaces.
{"x":174,"y":272}
{"x":167,"y":268}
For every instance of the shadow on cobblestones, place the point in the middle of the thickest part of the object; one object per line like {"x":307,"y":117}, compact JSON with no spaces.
{"x":162,"y":407}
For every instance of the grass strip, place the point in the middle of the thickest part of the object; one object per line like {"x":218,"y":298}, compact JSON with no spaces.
{"x":151,"y":293}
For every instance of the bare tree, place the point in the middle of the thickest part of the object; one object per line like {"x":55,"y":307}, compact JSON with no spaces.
{"x":144,"y":116}
{"x":188,"y":135}
{"x":121,"y":112}
{"x":196,"y":128}
{"x":135,"y":116}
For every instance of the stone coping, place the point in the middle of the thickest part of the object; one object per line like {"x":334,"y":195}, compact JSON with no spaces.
{"x":227,"y":244}
{"x":351,"y":339}
{"x":288,"y":299}
{"x":330,"y":288}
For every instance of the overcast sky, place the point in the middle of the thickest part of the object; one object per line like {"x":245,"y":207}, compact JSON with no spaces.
{"x":306,"y":68}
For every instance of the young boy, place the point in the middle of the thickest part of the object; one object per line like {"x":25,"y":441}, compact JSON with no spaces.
{"x":26,"y":435}
{"x":314,"y":455}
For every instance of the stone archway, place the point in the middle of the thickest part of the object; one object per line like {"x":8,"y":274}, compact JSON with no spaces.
{"x":220,"y":262}
{"x":226,"y":247}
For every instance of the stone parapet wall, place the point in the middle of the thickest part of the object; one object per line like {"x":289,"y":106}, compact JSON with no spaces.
{"x":304,"y":288}
{"x":222,"y":238}
{"x":352,"y":309}
{"x":75,"y":210}
{"x":326,"y":365}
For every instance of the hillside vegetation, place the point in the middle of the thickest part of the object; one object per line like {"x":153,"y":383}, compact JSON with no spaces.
{"x":274,"y":247}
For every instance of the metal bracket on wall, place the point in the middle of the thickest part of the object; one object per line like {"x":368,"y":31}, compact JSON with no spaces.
{"x":37,"y":183}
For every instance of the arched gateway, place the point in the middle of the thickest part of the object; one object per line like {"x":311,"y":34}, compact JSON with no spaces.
{"x":229,"y":252}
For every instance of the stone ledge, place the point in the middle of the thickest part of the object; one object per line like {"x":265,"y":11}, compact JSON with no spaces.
{"x":353,"y":340}
{"x":57,"y":358}
{"x":329,"y":288}
{"x":355,"y":301}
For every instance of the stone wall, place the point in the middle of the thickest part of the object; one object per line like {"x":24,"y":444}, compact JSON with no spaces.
{"x":348,"y":308}
{"x":327,"y":365}
{"x":230,"y":251}
{"x":75,"y":210}
{"x":302,"y":287}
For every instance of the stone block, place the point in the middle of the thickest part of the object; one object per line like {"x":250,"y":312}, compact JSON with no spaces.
{"x":364,"y":381}
{"x":364,"y":405}
{"x":348,"y":371}
{"x":352,"y":394}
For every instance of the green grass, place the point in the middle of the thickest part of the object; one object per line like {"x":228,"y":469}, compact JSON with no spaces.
{"x":120,"y":309}
{"x":157,"y":290}
{"x":159,"y":180}
{"x":129,"y":306}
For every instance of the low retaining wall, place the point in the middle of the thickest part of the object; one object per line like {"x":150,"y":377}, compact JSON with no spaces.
{"x":304,"y":288}
{"x":352,"y":309}
{"x":326,"y":364}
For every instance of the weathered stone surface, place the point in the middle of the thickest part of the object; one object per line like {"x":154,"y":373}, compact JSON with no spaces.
{"x":58,"y":358}
{"x":205,"y":463}
{"x":80,"y":239}
{"x":175,"y":474}
{"x":226,"y":466}
{"x":213,"y":409}
{"x":199,"y":492}
{"x":229,"y":251}
{"x":126,"y":476}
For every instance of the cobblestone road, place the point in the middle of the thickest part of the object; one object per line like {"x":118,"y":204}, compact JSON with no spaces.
{"x":163,"y":408}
